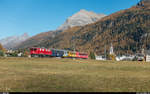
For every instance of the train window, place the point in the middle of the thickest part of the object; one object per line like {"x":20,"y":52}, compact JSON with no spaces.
{"x":82,"y":54}
{"x":33,"y":49}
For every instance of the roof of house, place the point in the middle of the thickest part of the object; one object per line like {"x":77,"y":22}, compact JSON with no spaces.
{"x":147,"y":52}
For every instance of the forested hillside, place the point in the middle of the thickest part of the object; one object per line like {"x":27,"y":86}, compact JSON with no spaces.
{"x":81,"y":18}
{"x":128,"y":30}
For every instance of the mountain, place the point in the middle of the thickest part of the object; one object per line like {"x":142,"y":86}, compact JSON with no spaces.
{"x":128,"y":30}
{"x":11,"y":42}
{"x":81,"y":18}
{"x":36,"y":40}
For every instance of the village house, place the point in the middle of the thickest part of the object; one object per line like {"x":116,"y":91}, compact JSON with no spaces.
{"x":125,"y":58}
{"x":147,"y":53}
{"x":100,"y":57}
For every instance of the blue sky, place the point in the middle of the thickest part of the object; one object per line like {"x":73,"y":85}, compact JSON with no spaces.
{"x":35,"y":16}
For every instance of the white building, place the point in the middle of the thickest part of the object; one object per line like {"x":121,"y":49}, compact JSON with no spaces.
{"x":10,"y":51}
{"x":125,"y":58}
{"x":100,"y":58}
{"x":147,"y":55}
{"x":20,"y":54}
{"x":147,"y":58}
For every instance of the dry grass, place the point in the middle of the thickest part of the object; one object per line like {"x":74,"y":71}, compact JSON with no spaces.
{"x":55,"y":75}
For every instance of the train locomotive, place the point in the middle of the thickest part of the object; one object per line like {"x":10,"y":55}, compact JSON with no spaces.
{"x":43,"y":52}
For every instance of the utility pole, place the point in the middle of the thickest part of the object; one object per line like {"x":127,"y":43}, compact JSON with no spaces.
{"x":73,"y":44}
{"x":74,"y":50}
{"x":146,"y":41}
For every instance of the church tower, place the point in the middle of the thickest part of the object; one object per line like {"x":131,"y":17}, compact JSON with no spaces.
{"x":111,"y":50}
{"x":111,"y":53}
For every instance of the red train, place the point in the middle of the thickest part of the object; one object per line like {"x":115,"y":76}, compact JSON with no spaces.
{"x":42,"y":52}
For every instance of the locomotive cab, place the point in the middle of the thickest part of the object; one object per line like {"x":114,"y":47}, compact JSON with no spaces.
{"x":33,"y":50}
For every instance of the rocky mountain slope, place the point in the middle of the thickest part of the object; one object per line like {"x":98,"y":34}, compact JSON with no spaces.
{"x":36,"y":40}
{"x":81,"y":18}
{"x":128,"y":30}
{"x":11,"y":42}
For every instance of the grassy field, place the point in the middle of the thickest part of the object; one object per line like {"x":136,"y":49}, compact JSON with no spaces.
{"x":61,"y":75}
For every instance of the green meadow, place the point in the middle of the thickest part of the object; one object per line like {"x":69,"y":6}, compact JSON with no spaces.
{"x":67,"y":75}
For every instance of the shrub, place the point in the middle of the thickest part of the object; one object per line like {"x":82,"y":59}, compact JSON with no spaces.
{"x":14,"y":54}
{"x":92,"y":55}
{"x":1,"y":53}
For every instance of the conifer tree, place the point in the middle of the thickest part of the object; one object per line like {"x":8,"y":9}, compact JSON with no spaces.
{"x":92,"y":55}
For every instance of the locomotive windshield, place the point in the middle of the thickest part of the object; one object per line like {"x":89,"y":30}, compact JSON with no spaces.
{"x":33,"y":49}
